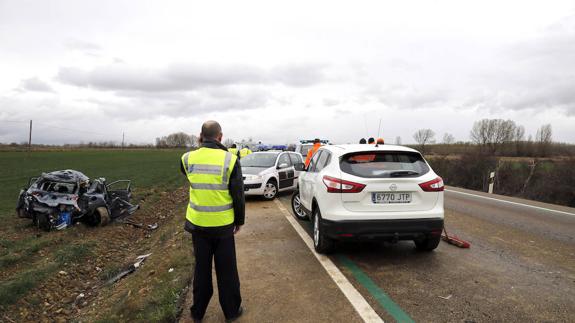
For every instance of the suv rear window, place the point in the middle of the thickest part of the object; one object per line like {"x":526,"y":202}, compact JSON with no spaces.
{"x":384,"y":164}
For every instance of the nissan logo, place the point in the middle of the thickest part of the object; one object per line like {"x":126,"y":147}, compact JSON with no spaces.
{"x":393,"y":187}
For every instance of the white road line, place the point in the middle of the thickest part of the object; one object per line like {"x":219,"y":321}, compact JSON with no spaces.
{"x":362,"y":307}
{"x":514,"y":203}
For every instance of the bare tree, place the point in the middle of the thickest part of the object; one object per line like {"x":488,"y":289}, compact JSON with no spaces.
{"x":492,"y":133}
{"x":194,"y":141}
{"x":520,"y":133}
{"x":161,"y":142}
{"x":481,"y":132}
{"x":424,"y":137}
{"x":178,"y":139}
{"x":544,"y":140}
{"x":448,"y":139}
{"x":228,"y":142}
{"x":519,"y":141}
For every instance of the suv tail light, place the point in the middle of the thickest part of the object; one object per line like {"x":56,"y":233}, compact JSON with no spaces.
{"x":336,"y":185}
{"x":435,"y":185}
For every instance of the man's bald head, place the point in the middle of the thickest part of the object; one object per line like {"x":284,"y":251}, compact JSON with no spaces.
{"x":211,"y":130}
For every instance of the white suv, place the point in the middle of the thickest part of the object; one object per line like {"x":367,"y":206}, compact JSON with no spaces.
{"x":270,"y":172}
{"x":380,"y":192}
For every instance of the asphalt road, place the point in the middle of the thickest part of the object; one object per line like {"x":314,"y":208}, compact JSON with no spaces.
{"x":520,"y":267}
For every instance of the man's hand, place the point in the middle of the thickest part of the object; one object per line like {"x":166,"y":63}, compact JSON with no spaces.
{"x":237,"y":228}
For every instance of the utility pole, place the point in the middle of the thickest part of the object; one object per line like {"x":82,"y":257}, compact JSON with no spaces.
{"x":123,"y":136}
{"x":30,"y":138}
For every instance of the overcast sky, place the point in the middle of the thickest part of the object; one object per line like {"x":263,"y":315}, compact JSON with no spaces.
{"x":280,"y":71}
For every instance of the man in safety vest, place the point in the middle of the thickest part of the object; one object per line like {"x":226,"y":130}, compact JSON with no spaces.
{"x":234,"y":149}
{"x":215,"y":213}
{"x":312,"y":150}
{"x":245,"y":151}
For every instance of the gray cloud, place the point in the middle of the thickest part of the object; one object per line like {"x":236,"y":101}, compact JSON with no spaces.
{"x":35,"y":85}
{"x":302,"y":75}
{"x":137,"y":105}
{"x":538,"y":73}
{"x":184,"y":77}
{"x":407,"y":97}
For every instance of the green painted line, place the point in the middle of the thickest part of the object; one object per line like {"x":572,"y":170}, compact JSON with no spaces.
{"x":382,"y":298}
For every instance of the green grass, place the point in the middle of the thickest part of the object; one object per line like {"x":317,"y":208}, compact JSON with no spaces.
{"x":74,"y":253}
{"x":23,"y":282}
{"x":146,"y":169}
{"x":12,"y":290}
{"x":22,"y":249}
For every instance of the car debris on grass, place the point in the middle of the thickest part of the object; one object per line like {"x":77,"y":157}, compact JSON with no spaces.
{"x":59,"y":199}
{"x":130,"y":269}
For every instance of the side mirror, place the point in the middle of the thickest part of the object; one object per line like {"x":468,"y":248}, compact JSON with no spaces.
{"x":282,"y":165}
{"x":300,"y":167}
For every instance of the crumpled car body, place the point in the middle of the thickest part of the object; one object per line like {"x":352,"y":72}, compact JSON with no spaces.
{"x":59,"y":199}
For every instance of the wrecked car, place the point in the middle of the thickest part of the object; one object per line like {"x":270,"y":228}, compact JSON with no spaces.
{"x":61,"y":198}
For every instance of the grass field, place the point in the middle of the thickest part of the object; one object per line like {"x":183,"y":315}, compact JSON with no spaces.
{"x":31,"y":288}
{"x":147,"y":168}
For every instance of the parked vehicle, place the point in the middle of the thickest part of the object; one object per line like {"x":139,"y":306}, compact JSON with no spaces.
{"x":59,"y":199}
{"x":380,"y":192}
{"x":270,"y":172}
{"x":305,"y":145}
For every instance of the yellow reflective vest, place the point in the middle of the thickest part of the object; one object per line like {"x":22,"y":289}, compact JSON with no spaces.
{"x":209,"y":171}
{"x":234,"y":151}
{"x":244,"y":152}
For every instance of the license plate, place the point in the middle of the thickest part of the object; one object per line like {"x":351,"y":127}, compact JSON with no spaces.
{"x":391,"y":198}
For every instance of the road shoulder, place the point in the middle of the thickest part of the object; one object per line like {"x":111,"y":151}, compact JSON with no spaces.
{"x":281,"y":281}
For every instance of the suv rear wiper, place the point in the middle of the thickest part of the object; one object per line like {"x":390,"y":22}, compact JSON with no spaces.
{"x":403,"y":173}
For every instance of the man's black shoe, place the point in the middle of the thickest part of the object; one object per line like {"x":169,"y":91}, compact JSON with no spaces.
{"x":240,"y":312}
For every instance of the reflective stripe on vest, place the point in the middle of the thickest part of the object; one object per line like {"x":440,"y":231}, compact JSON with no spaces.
{"x":208,"y":171}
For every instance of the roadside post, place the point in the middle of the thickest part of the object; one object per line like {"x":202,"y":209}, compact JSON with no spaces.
{"x":491,"y":181}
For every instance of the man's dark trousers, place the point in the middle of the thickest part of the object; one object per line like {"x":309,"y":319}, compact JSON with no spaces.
{"x":223,"y":251}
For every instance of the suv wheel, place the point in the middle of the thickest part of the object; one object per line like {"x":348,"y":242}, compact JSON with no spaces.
{"x":428,"y":243}
{"x":321,"y":243}
{"x":100,"y":217}
{"x":270,"y":190}
{"x":297,"y":208}
{"x":104,"y":215}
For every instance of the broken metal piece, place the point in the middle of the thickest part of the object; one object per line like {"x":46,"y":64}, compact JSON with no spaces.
{"x":132,"y":222}
{"x":130,"y":269}
{"x":152,"y":226}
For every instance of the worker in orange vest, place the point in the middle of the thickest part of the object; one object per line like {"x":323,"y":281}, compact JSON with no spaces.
{"x":316,"y":145}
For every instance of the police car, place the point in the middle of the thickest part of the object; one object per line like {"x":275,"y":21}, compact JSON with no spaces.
{"x":267,"y":173}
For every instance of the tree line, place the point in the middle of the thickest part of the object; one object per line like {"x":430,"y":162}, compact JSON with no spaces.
{"x":494,"y":137}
